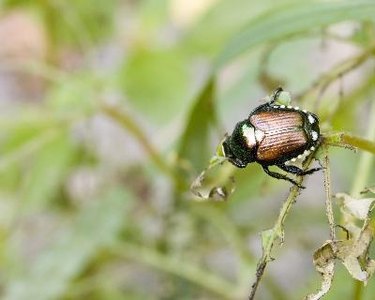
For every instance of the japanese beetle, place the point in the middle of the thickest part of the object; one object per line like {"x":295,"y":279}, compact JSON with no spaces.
{"x":274,"y":135}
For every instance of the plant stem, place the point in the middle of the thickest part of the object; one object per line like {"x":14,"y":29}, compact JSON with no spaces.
{"x":276,"y":232}
{"x":327,"y":183}
{"x":337,"y":71}
{"x":125,"y":120}
{"x":347,"y":140}
{"x":266,"y":257}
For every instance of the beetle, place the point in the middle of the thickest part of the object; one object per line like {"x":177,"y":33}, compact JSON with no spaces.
{"x":274,"y":135}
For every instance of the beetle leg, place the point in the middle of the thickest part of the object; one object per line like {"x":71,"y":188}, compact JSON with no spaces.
{"x":281,"y":176}
{"x":296,"y":170}
{"x":276,"y":94}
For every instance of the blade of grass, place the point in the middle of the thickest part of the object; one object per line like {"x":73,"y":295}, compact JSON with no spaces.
{"x":194,"y":146}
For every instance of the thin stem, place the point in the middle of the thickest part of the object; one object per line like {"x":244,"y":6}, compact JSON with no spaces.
{"x":125,"y":120}
{"x":327,"y":183}
{"x":338,"y":70}
{"x":358,"y":290}
{"x":233,"y":237}
{"x":276,"y":232}
{"x":347,"y":140}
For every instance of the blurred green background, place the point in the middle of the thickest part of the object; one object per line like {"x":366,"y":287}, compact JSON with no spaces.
{"x":109,"y":109}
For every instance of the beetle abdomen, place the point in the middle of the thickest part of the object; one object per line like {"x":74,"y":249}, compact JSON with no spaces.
{"x":283,"y":134}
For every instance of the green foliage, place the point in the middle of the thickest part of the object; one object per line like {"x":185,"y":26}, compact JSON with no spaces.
{"x":90,"y":231}
{"x":194,"y":146}
{"x":159,"y":78}
{"x":132,"y":103}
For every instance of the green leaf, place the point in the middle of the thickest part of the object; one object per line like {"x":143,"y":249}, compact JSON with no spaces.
{"x":194,"y":145}
{"x":216,"y":182}
{"x":92,"y":230}
{"x":47,"y":169}
{"x":156,"y":83}
{"x":284,"y":21}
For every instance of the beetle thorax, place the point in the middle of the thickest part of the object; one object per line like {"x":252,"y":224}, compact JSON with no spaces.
{"x":252,"y":136}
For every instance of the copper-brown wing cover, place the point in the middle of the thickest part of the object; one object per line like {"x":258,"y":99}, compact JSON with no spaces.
{"x":283,"y":134}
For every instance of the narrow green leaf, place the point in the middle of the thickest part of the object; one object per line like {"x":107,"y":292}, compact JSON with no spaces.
{"x":194,"y":145}
{"x":291,"y":19}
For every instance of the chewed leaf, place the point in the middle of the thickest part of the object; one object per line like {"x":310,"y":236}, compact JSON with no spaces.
{"x":361,"y":208}
{"x":358,"y":208}
{"x":215,"y":182}
{"x":354,"y":268}
{"x":324,"y":261}
{"x":351,"y":253}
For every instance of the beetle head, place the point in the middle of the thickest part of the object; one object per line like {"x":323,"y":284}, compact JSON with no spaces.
{"x":237,"y":148}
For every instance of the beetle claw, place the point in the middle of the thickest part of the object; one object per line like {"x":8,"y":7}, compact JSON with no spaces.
{"x":301,"y":186}
{"x":281,"y":176}
{"x":310,"y":171}
{"x":296,"y":184}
